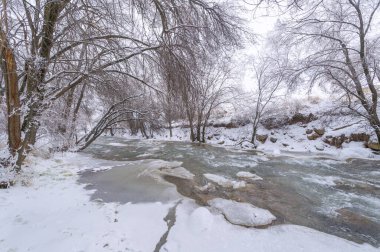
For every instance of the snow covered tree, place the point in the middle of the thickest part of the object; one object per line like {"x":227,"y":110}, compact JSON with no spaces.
{"x":53,"y":51}
{"x":336,"y":42}
{"x":269,"y":75}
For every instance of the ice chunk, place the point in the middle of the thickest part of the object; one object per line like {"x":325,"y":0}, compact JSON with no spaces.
{"x":248,"y":175}
{"x":178,"y":172}
{"x":117,"y":144}
{"x":238,"y":184}
{"x":243,"y":214}
{"x":224,"y":182}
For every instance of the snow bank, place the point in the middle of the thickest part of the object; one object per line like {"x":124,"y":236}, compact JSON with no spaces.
{"x":54,"y":213}
{"x":243,"y":214}
{"x":211,"y":232}
{"x":285,"y":138}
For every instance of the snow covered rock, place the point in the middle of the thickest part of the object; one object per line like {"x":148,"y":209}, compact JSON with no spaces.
{"x":243,"y":214}
{"x":209,"y":187}
{"x":273,"y":139}
{"x":178,"y":172}
{"x":224,"y":182}
{"x":319,"y":147}
{"x":159,"y":168}
{"x":313,"y":136}
{"x":320,"y":131}
{"x":238,"y":184}
{"x":248,"y":175}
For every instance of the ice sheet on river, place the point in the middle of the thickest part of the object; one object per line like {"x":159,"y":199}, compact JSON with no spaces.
{"x":159,"y":168}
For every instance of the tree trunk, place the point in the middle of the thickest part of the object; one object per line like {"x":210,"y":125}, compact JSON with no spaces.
{"x":170,"y":129}
{"x":76,"y":111}
{"x":375,"y":124}
{"x":9,"y":69}
{"x":66,"y":112}
{"x":254,"y":132}
{"x":192,"y":136}
{"x":204,"y":132}
{"x":198,"y":132}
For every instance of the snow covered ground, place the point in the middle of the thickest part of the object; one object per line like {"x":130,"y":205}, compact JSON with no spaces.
{"x":293,"y":137}
{"x":288,"y":139}
{"x":48,"y":210}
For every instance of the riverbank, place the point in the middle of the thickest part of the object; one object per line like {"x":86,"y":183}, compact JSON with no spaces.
{"x":298,"y":139}
{"x":50,"y":211}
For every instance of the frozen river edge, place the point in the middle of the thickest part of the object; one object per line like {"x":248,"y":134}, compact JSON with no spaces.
{"x":54,"y":213}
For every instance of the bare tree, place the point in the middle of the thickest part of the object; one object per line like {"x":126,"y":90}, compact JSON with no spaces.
{"x":212,"y":87}
{"x":55,"y":50}
{"x":269,"y":75}
{"x":337,"y":42}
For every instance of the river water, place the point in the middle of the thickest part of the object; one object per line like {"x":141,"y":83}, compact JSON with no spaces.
{"x":337,"y":197}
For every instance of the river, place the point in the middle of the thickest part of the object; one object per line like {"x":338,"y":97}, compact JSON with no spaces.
{"x":336,"y":197}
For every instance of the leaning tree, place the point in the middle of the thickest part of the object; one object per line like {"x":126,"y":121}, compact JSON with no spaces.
{"x":55,"y":50}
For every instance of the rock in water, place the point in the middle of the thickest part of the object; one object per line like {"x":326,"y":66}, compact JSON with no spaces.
{"x":243,"y":214}
{"x":248,"y":175}
{"x":178,"y":172}
{"x":224,"y":182}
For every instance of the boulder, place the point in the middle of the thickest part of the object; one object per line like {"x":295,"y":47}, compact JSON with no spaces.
{"x":374,"y":146}
{"x":320,"y":131}
{"x":359,"y":137}
{"x":309,"y":131}
{"x":285,"y":144}
{"x":261,"y":138}
{"x":232,"y":125}
{"x":275,"y":122}
{"x":273,"y":139}
{"x":302,"y":119}
{"x":6,"y":184}
{"x":336,"y":141}
{"x":313,"y":136}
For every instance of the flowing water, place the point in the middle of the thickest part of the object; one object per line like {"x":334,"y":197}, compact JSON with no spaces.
{"x":336,"y":197}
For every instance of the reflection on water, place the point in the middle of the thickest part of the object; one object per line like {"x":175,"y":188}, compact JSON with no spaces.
{"x":341,"y":198}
